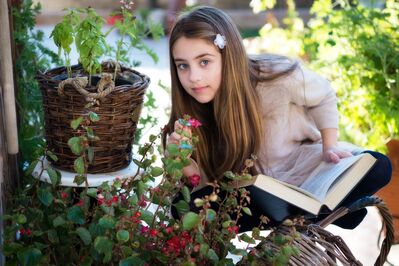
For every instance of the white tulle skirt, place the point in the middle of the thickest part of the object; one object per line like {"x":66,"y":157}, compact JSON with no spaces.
{"x":300,"y":163}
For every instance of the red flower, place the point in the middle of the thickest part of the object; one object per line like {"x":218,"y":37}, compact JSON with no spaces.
{"x":64,"y":195}
{"x":169,"y":230}
{"x":115,"y":198}
{"x":80,"y":203}
{"x":108,"y":202}
{"x":28,"y":232}
{"x":233,"y":229}
{"x":22,"y":231}
{"x":100,"y":201}
{"x":194,"y":180}
{"x":194,"y":123}
{"x":153,"y":232}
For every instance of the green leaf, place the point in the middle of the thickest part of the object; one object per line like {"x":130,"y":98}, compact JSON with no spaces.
{"x":21,"y":219}
{"x":92,"y":192}
{"x":54,"y":175}
{"x":93,"y":117}
{"x":76,"y":122}
{"x":247,"y":211}
{"x":122,"y":236}
{"x":107,"y":222}
{"x":84,"y":234}
{"x":90,"y":154}
{"x":190,"y":220}
{"x":210,"y":215}
{"x":31,"y":168}
{"x":59,"y":221}
{"x":76,"y":215}
{"x":53,"y":236}
{"x":29,"y":257}
{"x":75,"y":144}
{"x":146,"y":216}
{"x":141,"y":188}
{"x":79,"y":179}
{"x":156,"y":171}
{"x":182,"y":207}
{"x":212,"y":256}
{"x":204,"y":249}
{"x":87,"y":261}
{"x":173,"y":149}
{"x":132,"y":261}
{"x":152,"y":138}
{"x":79,"y":165}
{"x":246,"y":238}
{"x":52,"y":156}
{"x":45,"y":197}
{"x":186,"y":194}
{"x":102,"y":244}
{"x":126,"y":251}
{"x":90,"y":133}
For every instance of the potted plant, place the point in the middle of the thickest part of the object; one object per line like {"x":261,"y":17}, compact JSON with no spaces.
{"x":128,"y":222}
{"x":109,"y":89}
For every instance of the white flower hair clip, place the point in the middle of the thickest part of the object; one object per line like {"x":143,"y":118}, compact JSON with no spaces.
{"x":220,"y":41}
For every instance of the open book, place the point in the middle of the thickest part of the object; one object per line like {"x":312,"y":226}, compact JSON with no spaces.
{"x":327,"y":185}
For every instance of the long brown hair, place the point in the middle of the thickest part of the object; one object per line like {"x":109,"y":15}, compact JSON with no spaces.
{"x":232,"y":122}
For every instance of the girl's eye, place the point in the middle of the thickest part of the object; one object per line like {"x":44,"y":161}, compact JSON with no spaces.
{"x":182,"y":66}
{"x":204,"y":62}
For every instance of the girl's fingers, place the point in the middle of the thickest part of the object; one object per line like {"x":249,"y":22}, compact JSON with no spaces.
{"x":174,"y":138}
{"x":179,"y":128}
{"x":178,"y":125}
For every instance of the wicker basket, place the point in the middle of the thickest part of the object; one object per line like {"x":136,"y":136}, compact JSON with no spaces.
{"x":119,"y":112}
{"x":317,"y":246}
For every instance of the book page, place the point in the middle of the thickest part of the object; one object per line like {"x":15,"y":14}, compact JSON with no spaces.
{"x":321,"y":179}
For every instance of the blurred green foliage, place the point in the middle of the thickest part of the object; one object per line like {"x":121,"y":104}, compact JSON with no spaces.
{"x":357,"y":48}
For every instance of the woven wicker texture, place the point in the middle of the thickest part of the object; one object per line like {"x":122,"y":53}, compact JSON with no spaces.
{"x":119,"y":110}
{"x":317,"y":246}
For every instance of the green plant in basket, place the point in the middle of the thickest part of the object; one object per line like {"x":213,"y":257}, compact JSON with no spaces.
{"x":90,"y":41}
{"x":101,"y":83}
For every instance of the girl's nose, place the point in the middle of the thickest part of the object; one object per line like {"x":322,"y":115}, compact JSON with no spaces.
{"x":195,"y":76}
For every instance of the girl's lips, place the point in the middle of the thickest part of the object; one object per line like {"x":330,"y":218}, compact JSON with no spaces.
{"x":199,"y":89}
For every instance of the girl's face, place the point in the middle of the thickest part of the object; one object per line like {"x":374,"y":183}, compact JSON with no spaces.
{"x":199,"y":67}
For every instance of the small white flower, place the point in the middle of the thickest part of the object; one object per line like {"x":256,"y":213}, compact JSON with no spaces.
{"x":220,"y":41}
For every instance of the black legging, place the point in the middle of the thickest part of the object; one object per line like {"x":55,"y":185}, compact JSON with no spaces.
{"x":378,"y":176}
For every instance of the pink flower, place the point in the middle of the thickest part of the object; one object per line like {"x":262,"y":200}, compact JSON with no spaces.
{"x":142,"y":203}
{"x":169,"y":230}
{"x":194,"y":180}
{"x":144,"y":229}
{"x":194,"y":123}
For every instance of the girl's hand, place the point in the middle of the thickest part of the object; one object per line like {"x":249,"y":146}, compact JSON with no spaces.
{"x":334,"y":154}
{"x":180,"y":133}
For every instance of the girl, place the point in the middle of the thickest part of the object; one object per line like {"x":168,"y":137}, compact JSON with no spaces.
{"x":271,"y":107}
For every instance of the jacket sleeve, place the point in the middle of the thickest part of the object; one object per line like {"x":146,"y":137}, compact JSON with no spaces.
{"x":316,"y":95}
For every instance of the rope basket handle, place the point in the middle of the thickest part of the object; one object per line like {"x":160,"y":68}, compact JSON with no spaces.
{"x":387,"y":222}
{"x":104,"y":87}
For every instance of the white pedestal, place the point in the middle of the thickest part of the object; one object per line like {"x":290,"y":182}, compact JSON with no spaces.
{"x":94,"y":180}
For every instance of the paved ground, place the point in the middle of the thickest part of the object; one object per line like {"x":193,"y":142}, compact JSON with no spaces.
{"x":362,"y":241}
